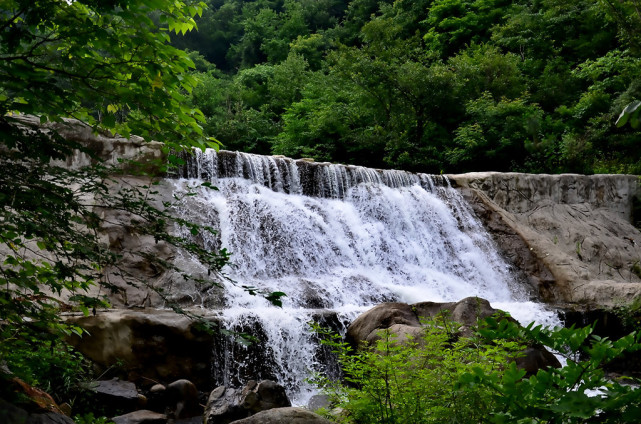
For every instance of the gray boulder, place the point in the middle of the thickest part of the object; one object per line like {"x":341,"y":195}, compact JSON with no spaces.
{"x":289,"y":415}
{"x":404,"y":320}
{"x":226,"y":405}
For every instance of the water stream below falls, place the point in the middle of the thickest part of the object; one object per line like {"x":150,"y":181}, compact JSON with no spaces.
{"x":337,"y":240}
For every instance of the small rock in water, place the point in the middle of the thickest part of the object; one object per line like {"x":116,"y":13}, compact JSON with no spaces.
{"x":317,"y":402}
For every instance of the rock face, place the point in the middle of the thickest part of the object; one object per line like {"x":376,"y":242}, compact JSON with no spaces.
{"x":403,"y":320}
{"x":157,"y":345}
{"x":573,"y":235}
{"x":226,"y":405}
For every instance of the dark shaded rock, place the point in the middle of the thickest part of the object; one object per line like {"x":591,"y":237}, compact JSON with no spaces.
{"x":192,"y":420}
{"x":536,"y":358}
{"x":11,"y":414}
{"x":159,"y":345}
{"x":49,"y":418}
{"x":290,"y":415}
{"x":157,"y":398}
{"x":269,"y":394}
{"x":182,"y":398}
{"x":226,"y":405}
{"x":116,"y":396}
{"x":35,"y":400}
{"x":223,"y":406}
{"x":140,"y":417}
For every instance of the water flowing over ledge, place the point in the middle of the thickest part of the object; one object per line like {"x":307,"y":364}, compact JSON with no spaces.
{"x":282,"y":174}
{"x":337,"y":240}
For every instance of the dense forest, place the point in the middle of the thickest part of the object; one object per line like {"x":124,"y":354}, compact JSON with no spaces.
{"x":424,"y":85}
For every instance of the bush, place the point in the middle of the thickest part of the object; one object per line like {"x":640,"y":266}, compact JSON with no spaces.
{"x":418,"y":380}
{"x":442,"y":378}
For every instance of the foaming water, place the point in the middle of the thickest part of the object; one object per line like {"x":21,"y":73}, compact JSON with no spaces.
{"x":336,"y":244}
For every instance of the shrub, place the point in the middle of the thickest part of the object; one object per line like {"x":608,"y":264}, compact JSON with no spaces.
{"x":418,"y":380}
{"x":442,"y":378}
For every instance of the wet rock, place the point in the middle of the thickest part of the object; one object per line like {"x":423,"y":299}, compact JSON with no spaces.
{"x":536,"y":358}
{"x":223,"y":406}
{"x":317,"y":402}
{"x":290,"y":415}
{"x":226,"y":405}
{"x":140,"y":417}
{"x":182,"y":398}
{"x":404,"y":320}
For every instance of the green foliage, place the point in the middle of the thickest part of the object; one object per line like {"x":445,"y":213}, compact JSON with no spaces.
{"x":441,"y":378}
{"x":50,"y":365}
{"x":118,"y":64}
{"x":402,"y":78}
{"x":89,"y":418}
{"x":631,"y":114}
{"x":108,"y":64}
{"x":407,"y":380}
{"x":562,"y":395}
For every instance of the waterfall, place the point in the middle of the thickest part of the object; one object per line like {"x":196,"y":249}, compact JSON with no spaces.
{"x":337,"y":240}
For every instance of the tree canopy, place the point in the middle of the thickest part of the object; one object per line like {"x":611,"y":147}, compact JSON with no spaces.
{"x":429,"y":85}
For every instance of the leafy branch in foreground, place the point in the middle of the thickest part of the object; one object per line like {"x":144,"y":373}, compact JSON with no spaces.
{"x":110,"y":65}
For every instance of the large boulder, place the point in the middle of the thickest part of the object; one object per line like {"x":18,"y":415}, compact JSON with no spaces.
{"x":403,"y":319}
{"x":365,"y":328}
{"x":226,"y":405}
{"x":291,"y":415}
{"x":150,"y":345}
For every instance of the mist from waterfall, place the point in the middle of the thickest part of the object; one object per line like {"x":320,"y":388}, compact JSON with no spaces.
{"x":337,"y":240}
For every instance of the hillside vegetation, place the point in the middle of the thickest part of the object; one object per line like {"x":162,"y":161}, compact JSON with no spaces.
{"x":424,"y":85}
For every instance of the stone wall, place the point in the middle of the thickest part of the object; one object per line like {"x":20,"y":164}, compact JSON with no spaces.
{"x":571,"y":234}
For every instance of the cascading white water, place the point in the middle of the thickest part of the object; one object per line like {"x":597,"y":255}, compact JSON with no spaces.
{"x":360,"y":237}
